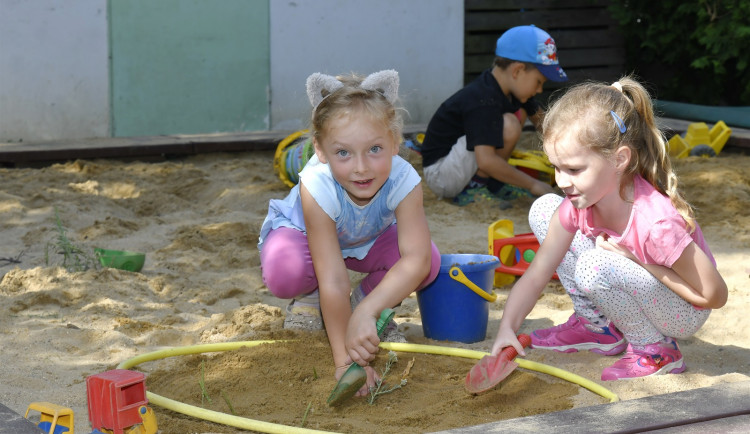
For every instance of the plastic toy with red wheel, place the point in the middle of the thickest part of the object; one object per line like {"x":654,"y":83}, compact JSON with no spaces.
{"x":515,"y":252}
{"x":117,"y":403}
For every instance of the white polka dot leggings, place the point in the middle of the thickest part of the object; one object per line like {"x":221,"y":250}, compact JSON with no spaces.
{"x":607,"y":286}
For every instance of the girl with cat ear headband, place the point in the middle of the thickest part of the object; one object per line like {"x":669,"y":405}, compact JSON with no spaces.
{"x":358,"y":206}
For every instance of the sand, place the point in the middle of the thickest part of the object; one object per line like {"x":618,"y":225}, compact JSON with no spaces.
{"x":197,"y":220}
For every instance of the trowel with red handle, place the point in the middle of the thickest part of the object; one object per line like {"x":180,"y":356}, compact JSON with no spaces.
{"x":491,"y":370}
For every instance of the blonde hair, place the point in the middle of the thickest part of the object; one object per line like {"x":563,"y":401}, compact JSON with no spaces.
{"x":587,"y":108}
{"x":350,"y":99}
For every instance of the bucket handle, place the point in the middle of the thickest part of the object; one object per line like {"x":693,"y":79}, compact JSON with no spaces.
{"x":459,"y":276}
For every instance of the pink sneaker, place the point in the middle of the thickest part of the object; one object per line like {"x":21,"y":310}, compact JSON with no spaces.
{"x":652,"y":359}
{"x":579,"y":334}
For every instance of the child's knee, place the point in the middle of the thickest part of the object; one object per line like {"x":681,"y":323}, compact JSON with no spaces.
{"x":287,"y":276}
{"x":289,"y":284}
{"x":512,"y":130}
{"x":542,"y":210}
{"x":434,"y":267}
{"x":546,"y":204}
{"x":590,"y":269}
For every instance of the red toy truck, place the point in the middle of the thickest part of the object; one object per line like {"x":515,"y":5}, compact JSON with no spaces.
{"x":117,"y":403}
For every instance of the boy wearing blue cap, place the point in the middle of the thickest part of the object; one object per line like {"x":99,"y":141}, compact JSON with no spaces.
{"x":470,"y":138}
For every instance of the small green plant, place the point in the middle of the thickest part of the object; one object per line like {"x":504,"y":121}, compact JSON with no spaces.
{"x":307,"y":411}
{"x":202,"y":383}
{"x":75,"y":258}
{"x":379,"y":388}
{"x":229,"y":404}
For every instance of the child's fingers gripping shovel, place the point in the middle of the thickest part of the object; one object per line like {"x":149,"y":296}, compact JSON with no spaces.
{"x":355,"y":376}
{"x":491,"y":370}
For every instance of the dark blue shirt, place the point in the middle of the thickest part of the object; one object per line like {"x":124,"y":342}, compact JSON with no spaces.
{"x":476,"y":111}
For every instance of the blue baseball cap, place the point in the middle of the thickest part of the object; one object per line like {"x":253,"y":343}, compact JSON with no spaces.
{"x":533,"y":45}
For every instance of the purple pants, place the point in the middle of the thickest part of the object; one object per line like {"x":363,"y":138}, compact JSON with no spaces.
{"x":288,"y":272}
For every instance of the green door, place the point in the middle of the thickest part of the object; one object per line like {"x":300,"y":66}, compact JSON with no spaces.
{"x":189,"y":66}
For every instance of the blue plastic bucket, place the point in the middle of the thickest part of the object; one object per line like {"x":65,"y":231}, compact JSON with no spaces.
{"x":455,"y":307}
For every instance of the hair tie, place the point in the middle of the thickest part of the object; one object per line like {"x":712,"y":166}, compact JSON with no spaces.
{"x":617,"y":86}
{"x":619,"y":122}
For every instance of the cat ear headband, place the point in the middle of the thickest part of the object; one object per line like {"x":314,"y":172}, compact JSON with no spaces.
{"x":319,"y":86}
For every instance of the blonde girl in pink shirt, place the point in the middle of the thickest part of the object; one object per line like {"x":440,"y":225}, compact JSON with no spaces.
{"x":623,"y":240}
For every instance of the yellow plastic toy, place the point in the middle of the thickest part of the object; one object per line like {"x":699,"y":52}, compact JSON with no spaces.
{"x":501,"y":229}
{"x":515,"y":251}
{"x":54,"y":419}
{"x":535,"y":163}
{"x":699,"y":141}
{"x":291,"y":155}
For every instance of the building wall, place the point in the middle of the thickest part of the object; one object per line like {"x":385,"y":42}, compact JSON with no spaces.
{"x":189,"y":66}
{"x":54,"y":80}
{"x":421,"y":39}
{"x":95,"y":68}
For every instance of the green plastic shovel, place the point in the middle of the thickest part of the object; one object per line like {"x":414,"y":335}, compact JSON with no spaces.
{"x":355,"y":376}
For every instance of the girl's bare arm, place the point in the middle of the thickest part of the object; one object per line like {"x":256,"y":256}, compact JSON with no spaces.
{"x":333,"y":278}
{"x":526,"y":291}
{"x":692,"y":276}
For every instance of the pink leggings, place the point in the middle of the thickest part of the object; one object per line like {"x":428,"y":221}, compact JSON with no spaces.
{"x":287,"y":268}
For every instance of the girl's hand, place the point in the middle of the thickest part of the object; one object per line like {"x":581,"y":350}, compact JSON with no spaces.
{"x":372,"y":378}
{"x":361,"y":338}
{"x":602,"y":241}
{"x":340,"y":371}
{"x":506,"y":338}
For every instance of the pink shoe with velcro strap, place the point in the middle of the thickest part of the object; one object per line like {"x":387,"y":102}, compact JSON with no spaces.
{"x":579,"y":334}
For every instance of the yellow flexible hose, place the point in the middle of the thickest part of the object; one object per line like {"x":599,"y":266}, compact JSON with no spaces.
{"x":267,"y":427}
{"x":522,"y":363}
{"x":202,"y":413}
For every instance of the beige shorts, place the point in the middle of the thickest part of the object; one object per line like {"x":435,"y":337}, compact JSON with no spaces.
{"x":450,"y":174}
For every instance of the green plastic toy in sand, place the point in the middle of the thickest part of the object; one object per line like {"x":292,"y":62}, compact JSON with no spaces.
{"x":121,"y":259}
{"x":355,"y":376}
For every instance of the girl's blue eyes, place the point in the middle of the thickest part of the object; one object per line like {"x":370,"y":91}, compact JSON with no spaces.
{"x":344,"y":153}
